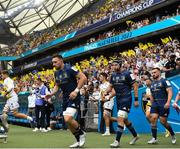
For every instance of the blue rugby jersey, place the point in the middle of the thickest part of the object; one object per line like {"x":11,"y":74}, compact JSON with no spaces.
{"x":158,"y":89}
{"x":122,"y":83}
{"x":66,"y":79}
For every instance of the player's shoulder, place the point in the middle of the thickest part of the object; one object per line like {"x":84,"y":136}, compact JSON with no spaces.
{"x":126,"y":72}
{"x":68,"y":67}
{"x":165,"y":81}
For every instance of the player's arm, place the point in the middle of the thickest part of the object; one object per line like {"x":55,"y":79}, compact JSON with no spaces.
{"x":175,"y":105}
{"x":177,"y":98}
{"x":151,"y":97}
{"x":169,"y":92}
{"x":165,"y":67}
{"x":55,"y":89}
{"x":135,"y":87}
{"x":81,"y":81}
{"x":110,"y":92}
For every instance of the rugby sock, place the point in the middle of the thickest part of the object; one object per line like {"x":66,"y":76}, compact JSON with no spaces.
{"x":169,"y":128}
{"x":107,"y":129}
{"x":131,"y":129}
{"x":80,"y":131}
{"x":154,"y":131}
{"x":76,"y":134}
{"x":119,"y":132}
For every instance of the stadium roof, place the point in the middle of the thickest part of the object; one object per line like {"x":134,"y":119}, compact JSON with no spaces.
{"x":25,"y":16}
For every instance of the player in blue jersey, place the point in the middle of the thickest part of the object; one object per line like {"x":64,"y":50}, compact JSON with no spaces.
{"x":175,"y":104}
{"x":161,"y":94}
{"x":70,"y":80}
{"x":121,"y":83}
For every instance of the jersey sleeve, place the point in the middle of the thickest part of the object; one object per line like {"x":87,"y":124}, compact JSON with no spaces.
{"x":131,"y":80}
{"x":166,"y":83}
{"x":111,"y":80}
{"x":74,"y":71}
{"x":55,"y":77}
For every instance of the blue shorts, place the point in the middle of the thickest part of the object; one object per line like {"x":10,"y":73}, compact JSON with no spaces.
{"x":124,"y":104}
{"x":158,"y":108}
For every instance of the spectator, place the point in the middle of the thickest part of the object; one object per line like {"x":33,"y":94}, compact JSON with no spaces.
{"x":41,"y":91}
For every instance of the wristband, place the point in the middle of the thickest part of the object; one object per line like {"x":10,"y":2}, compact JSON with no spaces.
{"x":77,"y":90}
{"x":135,"y":98}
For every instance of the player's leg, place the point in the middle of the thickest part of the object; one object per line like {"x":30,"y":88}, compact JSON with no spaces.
{"x":130,"y":127}
{"x":73,"y":126}
{"x":21,"y":115}
{"x":154,"y":112}
{"x":154,"y":118}
{"x":113,"y":119}
{"x":106,"y":116}
{"x":148,"y":114}
{"x":123,"y":110}
{"x":4,"y":117}
{"x":120,"y":128}
{"x":164,"y":122}
{"x":163,"y":119}
{"x":108,"y":106}
{"x":14,"y":105}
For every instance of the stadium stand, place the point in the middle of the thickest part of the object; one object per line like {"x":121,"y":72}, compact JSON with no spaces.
{"x":38,"y":38}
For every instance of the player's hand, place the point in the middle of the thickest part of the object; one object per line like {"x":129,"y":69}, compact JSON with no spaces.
{"x":175,"y":105}
{"x":136,"y":103}
{"x":167,"y":105}
{"x":106,"y":98}
{"x":73,"y":95}
{"x":47,"y":96}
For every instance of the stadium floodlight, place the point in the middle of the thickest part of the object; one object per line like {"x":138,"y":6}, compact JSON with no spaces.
{"x":37,"y":3}
{"x":28,"y":5}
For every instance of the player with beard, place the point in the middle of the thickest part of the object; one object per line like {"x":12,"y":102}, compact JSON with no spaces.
{"x":70,"y":80}
{"x":121,"y":83}
{"x":161,"y":95}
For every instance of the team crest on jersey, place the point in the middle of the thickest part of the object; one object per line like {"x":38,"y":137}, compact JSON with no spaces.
{"x":159,"y":84}
{"x":122,"y":78}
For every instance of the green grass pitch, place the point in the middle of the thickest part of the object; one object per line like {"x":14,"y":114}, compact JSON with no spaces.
{"x":21,"y":137}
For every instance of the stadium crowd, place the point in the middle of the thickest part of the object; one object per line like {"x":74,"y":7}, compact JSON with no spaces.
{"x":30,"y":41}
{"x":139,"y":61}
